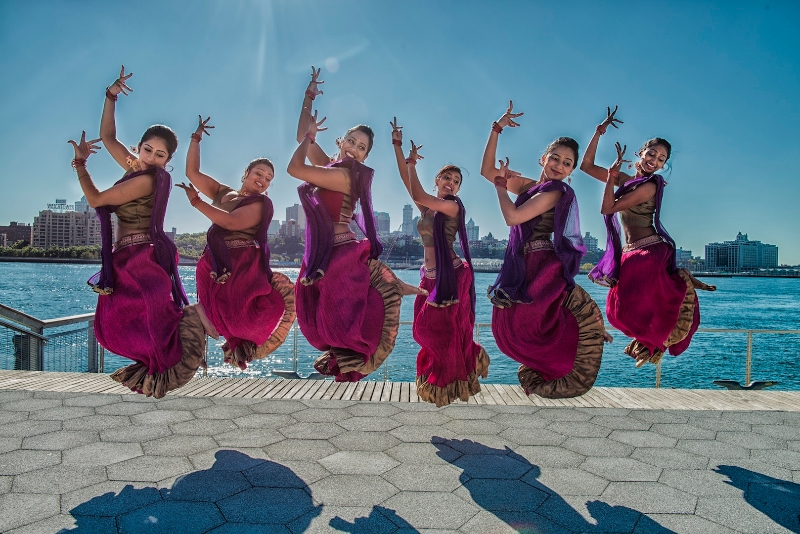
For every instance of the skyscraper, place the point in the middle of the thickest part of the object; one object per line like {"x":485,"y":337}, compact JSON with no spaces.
{"x":408,"y":213}
{"x":740,"y":255}
{"x":472,"y":230}
{"x":590,"y":242}
{"x":296,"y":213}
{"x":382,"y":224}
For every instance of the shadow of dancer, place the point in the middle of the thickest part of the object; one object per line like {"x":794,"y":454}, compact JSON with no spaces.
{"x":506,"y":484}
{"x":243,"y":493}
{"x":380,"y":519}
{"x":777,"y":499}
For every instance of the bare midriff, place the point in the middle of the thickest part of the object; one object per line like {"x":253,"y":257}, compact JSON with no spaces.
{"x":430,"y":256}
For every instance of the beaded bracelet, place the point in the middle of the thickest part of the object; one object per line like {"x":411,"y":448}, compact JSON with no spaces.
{"x":497,"y":128}
{"x":311,"y":138}
{"x":310,"y":94}
{"x":110,"y":95}
{"x":397,"y":142}
{"x":600,"y":129}
{"x":197,"y":137}
{"x":78,"y":162}
{"x":195,"y":201}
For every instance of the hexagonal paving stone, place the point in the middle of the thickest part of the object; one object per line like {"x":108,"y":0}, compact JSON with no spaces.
{"x":424,"y":477}
{"x":368,"y":520}
{"x":431,"y":510}
{"x":248,"y":437}
{"x":312,"y":430}
{"x":162,"y":417}
{"x":12,"y":417}
{"x":621,"y":469}
{"x":682,"y":523}
{"x":563,"y":414}
{"x":358,"y":463}
{"x":713,"y":449}
{"x":124,"y":408}
{"x":565,"y":481}
{"x":716,"y":424}
{"x":231,"y":527}
{"x":178,"y":445}
{"x":465,"y":427}
{"x":322,"y":415}
{"x":512,"y":523}
{"x":264,"y":420}
{"x":583,"y":513}
{"x":288,"y":474}
{"x":470,"y":413}
{"x":670,"y":458}
{"x":661,"y":416}
{"x":203,"y":427}
{"x":476,"y":444}
{"x":229,"y":459}
{"x":597,"y":447}
{"x":785,"y":432}
{"x":59,"y":479}
{"x":26,"y":428}
{"x":135,"y":433}
{"x":750,"y":440}
{"x":277,"y":406}
{"x":369,"y":424}
{"x":10,"y":396}
{"x":275,"y":505}
{"x":730,"y":512}
{"x":343,"y":490}
{"x":59,"y":441}
{"x":550,"y":456}
{"x":22,"y":461}
{"x":66,"y":523}
{"x":372,"y":409}
{"x":421,"y":418}
{"x":184,"y":403}
{"x":92,"y":400}
{"x":650,"y":497}
{"x":10,"y":444}
{"x":620,"y":423}
{"x":492,"y":466}
{"x":298,"y":449}
{"x":61,"y":413}
{"x":423,"y":453}
{"x":24,"y":508}
{"x":108,"y":499}
{"x":751,"y":470}
{"x":421,"y":433}
{"x":149,"y":468}
{"x":683,"y":431}
{"x":755,"y":417}
{"x":364,"y":441}
{"x":97,"y":422}
{"x":700,"y":482}
{"x":638,"y":438}
{"x":502,"y":495}
{"x":580,"y":429}
{"x":533,"y":436}
{"x":209,"y":485}
{"x":221,"y":412}
{"x":31,"y":405}
{"x":101,"y":453}
{"x":171,"y":516}
{"x":786,"y":459}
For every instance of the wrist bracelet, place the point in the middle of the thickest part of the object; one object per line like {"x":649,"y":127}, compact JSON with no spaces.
{"x":311,"y":138}
{"x":501,"y":181}
{"x":411,"y":161}
{"x":197,"y":137}
{"x":310,"y":94}
{"x":78,"y":162}
{"x":497,"y":128}
{"x":613,"y":174}
{"x":195,"y":201}
{"x":110,"y":95}
{"x":397,"y":142}
{"x":600,"y":129}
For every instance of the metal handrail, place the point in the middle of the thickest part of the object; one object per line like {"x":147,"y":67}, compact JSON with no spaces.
{"x":12,"y":326}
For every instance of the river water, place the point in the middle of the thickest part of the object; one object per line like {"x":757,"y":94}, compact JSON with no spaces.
{"x":47,"y":290}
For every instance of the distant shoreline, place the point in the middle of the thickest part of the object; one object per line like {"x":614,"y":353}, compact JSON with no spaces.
{"x":186,"y":262}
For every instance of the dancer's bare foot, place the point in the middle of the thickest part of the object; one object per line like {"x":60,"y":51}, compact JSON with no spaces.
{"x":608,"y":338}
{"x":408,"y":289}
{"x":207,"y":326}
{"x":698,"y":284}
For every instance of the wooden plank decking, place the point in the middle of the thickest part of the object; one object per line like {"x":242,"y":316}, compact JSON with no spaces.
{"x":265,"y":388}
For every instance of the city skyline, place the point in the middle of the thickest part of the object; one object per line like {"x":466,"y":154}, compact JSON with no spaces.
{"x":719,"y":81}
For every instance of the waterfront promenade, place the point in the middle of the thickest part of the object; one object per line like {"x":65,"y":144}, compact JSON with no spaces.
{"x":79,"y":453}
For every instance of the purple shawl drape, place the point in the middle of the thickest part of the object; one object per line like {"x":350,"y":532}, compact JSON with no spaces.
{"x":446,"y":289}
{"x":319,"y":226}
{"x":165,"y":250}
{"x":220,"y":253}
{"x":606,"y":273}
{"x":511,"y":285}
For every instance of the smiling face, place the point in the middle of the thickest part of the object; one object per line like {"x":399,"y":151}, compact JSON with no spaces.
{"x":153,"y":153}
{"x":653,"y":159}
{"x":355,"y":144}
{"x":558,"y":163}
{"x":257,"y":179}
{"x":448,"y":182}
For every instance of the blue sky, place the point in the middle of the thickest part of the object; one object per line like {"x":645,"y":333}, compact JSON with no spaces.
{"x":719,"y":80}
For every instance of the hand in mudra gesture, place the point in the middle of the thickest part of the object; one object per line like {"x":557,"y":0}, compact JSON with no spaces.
{"x":315,"y":82}
{"x":610,"y":120}
{"x":315,"y":125}
{"x":413,"y":154}
{"x":84,"y":148}
{"x":121,"y":84}
{"x":503,"y":174}
{"x":191,"y":192}
{"x":203,"y":126}
{"x":613,"y":171}
{"x":508,"y":117}
{"x":397,"y":131}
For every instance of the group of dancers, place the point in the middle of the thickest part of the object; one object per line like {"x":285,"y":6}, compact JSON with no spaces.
{"x":346,"y":301}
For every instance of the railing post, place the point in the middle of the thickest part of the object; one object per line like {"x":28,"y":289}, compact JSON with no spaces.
{"x":205,"y":369}
{"x":658,"y":374}
{"x":91,"y":345}
{"x":749,"y":360}
{"x":294,"y":356}
{"x":101,"y":368}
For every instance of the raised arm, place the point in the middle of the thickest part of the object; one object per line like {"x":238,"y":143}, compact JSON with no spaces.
{"x":418,"y":193}
{"x":108,"y":127}
{"x":205,"y":183}
{"x":642,"y":193}
{"x":316,"y":155}
{"x":535,"y":206}
{"x":587,"y":163}
{"x":516,"y":183}
{"x":333,"y":178}
{"x":240,"y":219}
{"x":402,"y":167}
{"x":114,"y":196}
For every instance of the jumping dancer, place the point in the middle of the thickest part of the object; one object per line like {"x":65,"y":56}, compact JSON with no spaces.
{"x":252,"y":307}
{"x":348,"y":302}
{"x":449,"y":361}
{"x":541,"y":318}
{"x":651,"y":300}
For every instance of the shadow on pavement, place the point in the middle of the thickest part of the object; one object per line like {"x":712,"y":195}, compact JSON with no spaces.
{"x":375,"y":522}
{"x":506,"y":484}
{"x":777,"y":499}
{"x":245,"y":494}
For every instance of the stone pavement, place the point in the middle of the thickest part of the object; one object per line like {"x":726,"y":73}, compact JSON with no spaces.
{"x":96,"y":463}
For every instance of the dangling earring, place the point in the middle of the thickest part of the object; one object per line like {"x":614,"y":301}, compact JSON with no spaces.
{"x":569,"y":179}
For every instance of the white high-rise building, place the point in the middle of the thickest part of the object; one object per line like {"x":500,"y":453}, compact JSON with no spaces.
{"x":408,"y":213}
{"x":472,"y":230}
